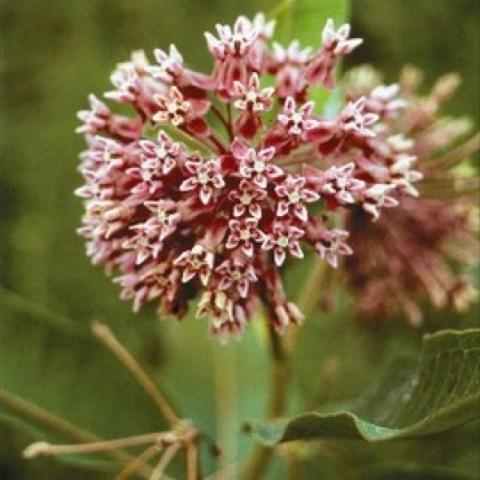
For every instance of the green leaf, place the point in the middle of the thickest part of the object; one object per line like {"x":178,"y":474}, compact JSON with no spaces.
{"x":413,"y":397}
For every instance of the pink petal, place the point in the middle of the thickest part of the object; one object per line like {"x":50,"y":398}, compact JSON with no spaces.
{"x":188,"y":184}
{"x":239,"y":149}
{"x":295,"y":250}
{"x":205,"y":195}
{"x":279,"y":256}
{"x":282,"y":208}
{"x":243,"y":288}
{"x":255,"y":210}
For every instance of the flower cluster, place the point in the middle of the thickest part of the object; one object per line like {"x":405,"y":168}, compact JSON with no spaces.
{"x":425,"y":247}
{"x":208,"y":186}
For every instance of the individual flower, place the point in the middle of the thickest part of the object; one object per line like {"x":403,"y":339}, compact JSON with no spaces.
{"x":336,"y":44}
{"x":173,"y":108}
{"x":235,"y":54}
{"x":196,"y":261}
{"x":96,"y":119}
{"x":227,"y":318}
{"x":236,"y":273}
{"x":170,"y":67}
{"x":293,"y":196}
{"x":338,"y":185}
{"x":331,"y":244}
{"x":355,"y":119}
{"x":251,"y":98}
{"x":206,"y":177}
{"x":288,"y":65}
{"x":252,"y":101}
{"x":378,"y":196}
{"x":255,"y":165}
{"x":248,"y":199}
{"x":297,"y":123}
{"x":244,"y":233}
{"x":383,"y":101}
{"x":284,"y":238}
{"x":145,"y":242}
{"x":163,"y":155}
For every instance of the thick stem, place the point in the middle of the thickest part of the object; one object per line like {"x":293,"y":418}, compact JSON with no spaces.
{"x":279,"y":383}
{"x":261,"y":455}
{"x":225,"y":381}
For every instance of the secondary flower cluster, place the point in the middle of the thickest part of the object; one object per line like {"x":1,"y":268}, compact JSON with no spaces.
{"x":206,"y":187}
{"x":425,"y":247}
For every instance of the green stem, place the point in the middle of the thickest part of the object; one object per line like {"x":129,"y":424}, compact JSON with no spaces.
{"x":261,"y":455}
{"x":257,"y":463}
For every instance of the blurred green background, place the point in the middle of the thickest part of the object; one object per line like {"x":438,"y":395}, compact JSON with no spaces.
{"x":56,"y":52}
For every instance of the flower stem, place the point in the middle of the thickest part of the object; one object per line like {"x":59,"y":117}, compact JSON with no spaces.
{"x":311,"y":290}
{"x":225,"y":381}
{"x":192,"y":462}
{"x":170,"y":452}
{"x":226,"y":122}
{"x":279,"y":383}
{"x":261,"y":455}
{"x":44,"y":448}
{"x":133,"y":467}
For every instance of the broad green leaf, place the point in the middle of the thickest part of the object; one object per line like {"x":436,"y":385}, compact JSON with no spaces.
{"x":414,"y":397}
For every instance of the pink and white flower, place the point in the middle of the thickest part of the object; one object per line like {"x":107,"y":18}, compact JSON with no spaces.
{"x":244,"y":233}
{"x":297,"y":123}
{"x":255,"y":165}
{"x":196,"y":261}
{"x":336,"y":44}
{"x":206,"y":178}
{"x":237,"y":274}
{"x":252,"y":98}
{"x":331,"y":244}
{"x":377,"y":197}
{"x":284,"y":238}
{"x":293,"y":196}
{"x":248,"y":199}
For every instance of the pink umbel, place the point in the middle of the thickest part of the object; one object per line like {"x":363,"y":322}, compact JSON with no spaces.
{"x":206,"y":186}
{"x":421,"y":253}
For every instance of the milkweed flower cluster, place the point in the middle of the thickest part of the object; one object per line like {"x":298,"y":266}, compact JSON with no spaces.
{"x":215,"y":180}
{"x":423,"y":250}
